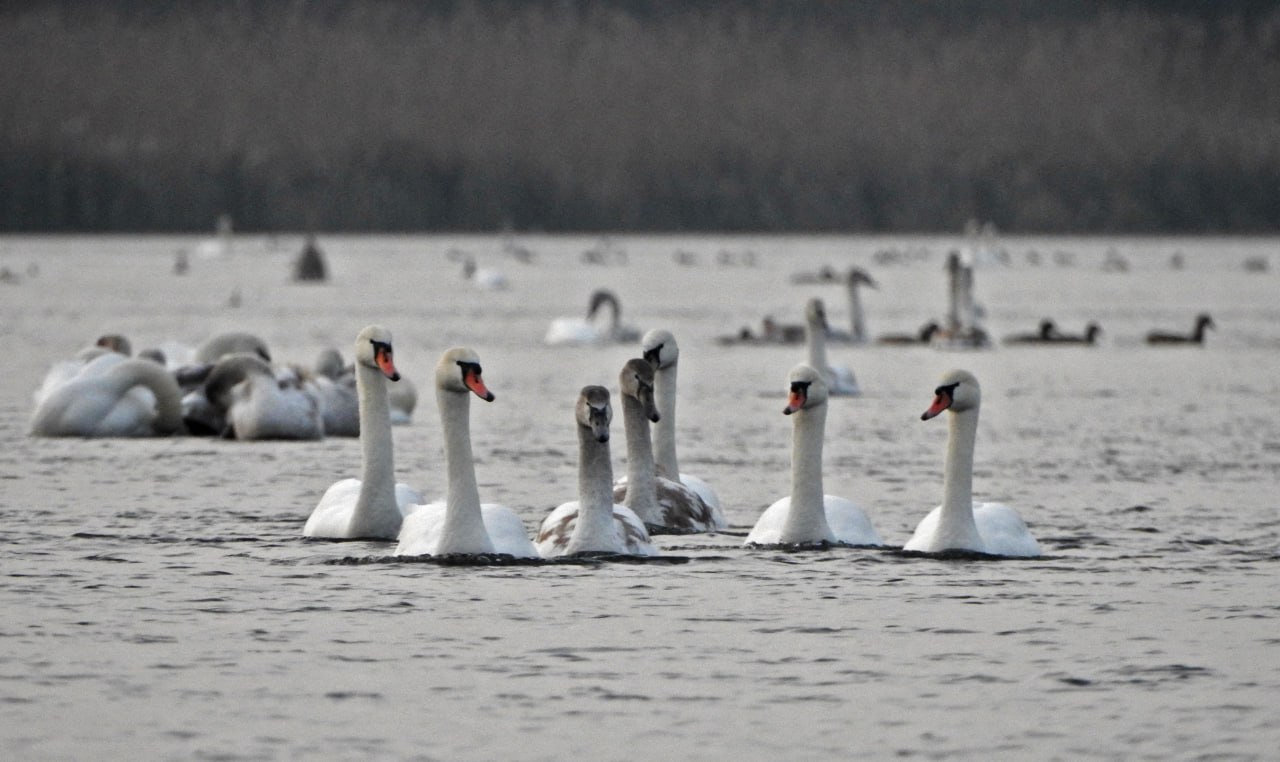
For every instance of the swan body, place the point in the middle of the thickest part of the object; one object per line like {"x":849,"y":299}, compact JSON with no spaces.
{"x":838,"y":378}
{"x":662,"y":504}
{"x":663,"y":353}
{"x":232,"y":342}
{"x":808,"y":515}
{"x":242,"y":397}
{"x":960,"y":523}
{"x":372,"y":506}
{"x":461,"y":525}
{"x":1196,"y":337}
{"x":591,"y":330}
{"x":593,"y":523}
{"x":483,"y":278}
{"x":109,"y":396}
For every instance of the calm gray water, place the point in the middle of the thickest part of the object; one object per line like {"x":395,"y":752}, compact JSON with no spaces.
{"x":160,"y":603}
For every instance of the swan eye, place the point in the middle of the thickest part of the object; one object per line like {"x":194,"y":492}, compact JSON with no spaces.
{"x":800,"y":387}
{"x":949,"y":390}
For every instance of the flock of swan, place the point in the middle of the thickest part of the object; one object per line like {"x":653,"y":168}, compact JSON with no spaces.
{"x":618,"y":517}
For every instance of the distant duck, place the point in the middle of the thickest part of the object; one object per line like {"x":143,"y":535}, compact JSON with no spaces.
{"x":310,"y":266}
{"x":663,"y":504}
{"x":593,"y":523}
{"x":461,"y":525}
{"x":1090,"y":337}
{"x":483,"y":278}
{"x":960,"y":523}
{"x":839,"y":378}
{"x":1047,"y":332}
{"x":824,"y":274}
{"x":808,"y":514}
{"x":923,"y":336}
{"x":660,"y":350}
{"x":1203,"y":321}
{"x":110,"y":395}
{"x":372,"y":506}
{"x":592,"y":330}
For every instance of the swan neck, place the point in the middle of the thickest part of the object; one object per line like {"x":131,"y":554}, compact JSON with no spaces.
{"x":160,"y":381}
{"x":642,"y":485}
{"x":377,"y":479}
{"x":957,"y":490}
{"x":595,"y":491}
{"x":464,"y":530}
{"x":664,"y":431}
{"x":816,"y":342}
{"x":857,"y":321}
{"x":806,"y":521}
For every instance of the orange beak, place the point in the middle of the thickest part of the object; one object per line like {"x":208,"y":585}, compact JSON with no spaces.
{"x":382,"y":356}
{"x":795,"y":401}
{"x":471,"y":377}
{"x":941,"y":402}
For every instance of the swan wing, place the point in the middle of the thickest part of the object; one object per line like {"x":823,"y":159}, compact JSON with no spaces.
{"x":506,"y":531}
{"x":768,"y":528}
{"x":1003,"y":531}
{"x":331,"y":517}
{"x":849,"y":522}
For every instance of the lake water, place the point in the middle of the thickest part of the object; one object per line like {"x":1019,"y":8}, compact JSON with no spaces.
{"x":159,"y":601}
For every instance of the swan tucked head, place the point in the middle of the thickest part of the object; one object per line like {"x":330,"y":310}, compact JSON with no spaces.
{"x":373,"y":350}
{"x":815,"y":313}
{"x":660,"y":348}
{"x":229,"y":372}
{"x":116,"y":343}
{"x":599,"y":298}
{"x":807,"y":389}
{"x":459,"y":371}
{"x":594,"y":412}
{"x":329,"y":363}
{"x":636,"y":381}
{"x":958,"y":391}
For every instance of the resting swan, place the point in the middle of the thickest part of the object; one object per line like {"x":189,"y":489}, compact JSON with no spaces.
{"x":110,"y":396}
{"x":461,"y":525}
{"x":662,"y":504}
{"x":568,"y":330}
{"x":809,"y":515}
{"x":839,"y":379}
{"x":663,"y":353}
{"x":960,"y":523}
{"x":242,"y":398}
{"x":593,"y":523}
{"x":370,"y":507}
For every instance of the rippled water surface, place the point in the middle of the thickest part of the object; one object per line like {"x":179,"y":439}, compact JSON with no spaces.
{"x":159,"y":601}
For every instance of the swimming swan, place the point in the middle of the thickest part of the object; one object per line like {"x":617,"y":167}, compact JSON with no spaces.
{"x":593,"y":523}
{"x":809,"y":515}
{"x":110,"y":396}
{"x":839,"y":378}
{"x":663,"y":353}
{"x":960,"y":523}
{"x":461,"y":525}
{"x":568,"y":330}
{"x":370,"y":507}
{"x":662,"y":504}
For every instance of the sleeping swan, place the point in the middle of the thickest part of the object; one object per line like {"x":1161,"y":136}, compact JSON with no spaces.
{"x":593,"y":523}
{"x":809,"y":515}
{"x":369,"y":507}
{"x":960,"y":523}
{"x":110,"y":396}
{"x":461,"y":525}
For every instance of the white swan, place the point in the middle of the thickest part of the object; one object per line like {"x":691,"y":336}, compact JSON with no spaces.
{"x":839,"y":378}
{"x":461,"y":525}
{"x":569,"y":330}
{"x":809,"y":515}
{"x":370,"y":507}
{"x":110,"y":396}
{"x":663,"y":353}
{"x":961,"y":329}
{"x":960,"y":523}
{"x":483,"y":278}
{"x":662,"y":504}
{"x":593,"y":523}
{"x":243,"y":398}
{"x":232,"y":342}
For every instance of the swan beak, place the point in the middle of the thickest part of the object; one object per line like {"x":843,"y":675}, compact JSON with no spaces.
{"x":473,"y":381}
{"x":941,"y":402}
{"x":795,"y":402}
{"x":382,"y":356}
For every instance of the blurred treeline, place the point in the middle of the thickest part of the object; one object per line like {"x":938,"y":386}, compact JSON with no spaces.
{"x":909,"y":115}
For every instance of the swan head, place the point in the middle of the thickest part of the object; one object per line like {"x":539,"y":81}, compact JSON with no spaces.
{"x":807,"y":389}
{"x":1202,"y":321}
{"x":815,"y":313}
{"x":599,"y":298}
{"x":958,"y":391}
{"x":1047,"y":328}
{"x":660,"y":348}
{"x":594,"y":412}
{"x":459,"y":371}
{"x":859,"y":277}
{"x":373,"y":350}
{"x":636,"y":381}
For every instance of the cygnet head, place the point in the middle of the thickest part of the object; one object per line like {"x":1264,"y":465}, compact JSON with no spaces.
{"x":807,"y":389}
{"x":373,"y":350}
{"x":116,"y":343}
{"x":636,"y":381}
{"x":594,"y":412}
{"x":459,"y":371}
{"x":958,"y":391}
{"x":660,"y":348}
